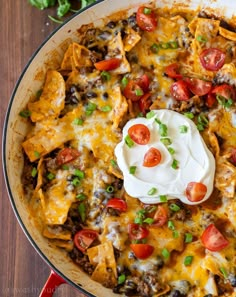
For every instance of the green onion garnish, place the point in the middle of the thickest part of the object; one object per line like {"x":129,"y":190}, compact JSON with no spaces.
{"x":183,"y":129}
{"x":81,"y":196}
{"x":106,"y":108}
{"x":163,"y":129}
{"x":138,"y":92}
{"x":147,"y":10}
{"x":76,"y":182}
{"x":188,"y":237}
{"x":226,"y":103}
{"x":78,"y":122}
{"x":174,"y":207}
{"x":155,"y":48}
{"x":173,"y":44}
{"x":113,"y":163}
{"x":148,"y":221}
{"x":105,"y":75}
{"x":171,"y":150}
{"x":224,"y":272}
{"x":175,"y":234}
{"x":34,"y":172}
{"x":65,"y":167}
{"x":132,"y":169}
{"x":37,"y":154}
{"x":110,"y":189}
{"x":82,"y":211}
{"x":25,"y":113}
{"x":150,"y":114}
{"x":152,"y":191}
{"x":175,"y":164}
{"x":163,"y":198}
{"x":165,"y":253}
{"x":171,"y":225}
{"x":124,"y":82}
{"x":166,"y":141}
{"x":129,"y":141}
{"x":121,"y":279}
{"x":201,"y":38}
{"x":79,"y":173}
{"x":164,"y":45}
{"x":189,"y":115}
{"x":90,"y":108}
{"x":50,"y":176}
{"x":188,"y":260}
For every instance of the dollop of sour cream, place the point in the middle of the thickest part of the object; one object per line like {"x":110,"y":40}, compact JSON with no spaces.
{"x":185,"y":158}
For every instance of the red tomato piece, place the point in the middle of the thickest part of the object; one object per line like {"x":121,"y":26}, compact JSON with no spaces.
{"x":211,"y":100}
{"x":179,"y":91}
{"x":144,"y":103}
{"x":133,"y":91}
{"x":146,"y":19}
{"x":84,"y":238}
{"x":212,"y":59}
{"x":117,"y":203}
{"x":212,"y":239}
{"x":67,"y":155}
{"x":160,"y":217}
{"x":198,"y":86}
{"x":144,"y":82}
{"x":137,"y":232}
{"x":142,"y":250}
{"x":195,"y":191}
{"x":152,"y":157}
{"x":226,"y":91}
{"x":173,"y":71}
{"x":139,"y":133}
{"x":109,"y":64}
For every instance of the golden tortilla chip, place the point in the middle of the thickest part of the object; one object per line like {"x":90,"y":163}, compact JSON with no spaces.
{"x":131,"y":39}
{"x":227,"y":34}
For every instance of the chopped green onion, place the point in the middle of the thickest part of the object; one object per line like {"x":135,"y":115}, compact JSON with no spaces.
{"x":82,"y":211}
{"x":37,"y":154}
{"x":163,"y":198}
{"x":158,"y":121}
{"x":124,"y":81}
{"x":34,"y":172}
{"x":201,"y":38}
{"x":171,"y":150}
{"x":175,"y":164}
{"x":79,"y":173}
{"x":171,"y":225}
{"x":129,"y":141}
{"x":25,"y":113}
{"x":121,"y":279}
{"x":55,"y":20}
{"x":50,"y":176}
{"x":78,"y":122}
{"x":139,"y":92}
{"x":81,"y":196}
{"x":173,"y":44}
{"x":226,"y":103}
{"x":183,"y":129}
{"x":150,"y":114}
{"x":90,"y":108}
{"x":164,"y":45}
{"x":163,"y":129}
{"x":105,"y":75}
{"x":188,"y":237}
{"x":147,"y":10}
{"x":76,"y":182}
{"x":174,"y":207}
{"x":188,"y":260}
{"x":202,"y":122}
{"x":152,"y":191}
{"x":155,"y":48}
{"x":110,"y":189}
{"x":138,"y":220}
{"x":106,"y":108}
{"x":166,"y":141}
{"x":65,"y":167}
{"x":113,"y":163}
{"x":189,"y":115}
{"x":175,"y":234}
{"x":132,"y":169}
{"x":148,"y":221}
{"x":39,"y":93}
{"x":224,"y":272}
{"x":165,"y":253}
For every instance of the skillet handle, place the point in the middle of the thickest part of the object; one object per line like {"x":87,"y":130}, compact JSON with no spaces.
{"x":51,"y":284}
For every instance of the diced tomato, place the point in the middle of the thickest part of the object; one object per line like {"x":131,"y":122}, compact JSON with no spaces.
{"x":146,"y":19}
{"x":152,"y":157}
{"x":67,"y":155}
{"x":212,"y":59}
{"x":211,"y":100}
{"x":198,"y":86}
{"x":144,"y":103}
{"x":133,"y":91}
{"x":213,"y":240}
{"x":109,"y":64}
{"x":144,"y":82}
{"x":173,"y":71}
{"x":195,"y":192}
{"x":117,"y":203}
{"x":225,"y":90}
{"x":137,"y":232}
{"x":179,"y":91}
{"x":84,"y":238}
{"x":142,"y":250}
{"x":160,"y":216}
{"x":139,"y":133}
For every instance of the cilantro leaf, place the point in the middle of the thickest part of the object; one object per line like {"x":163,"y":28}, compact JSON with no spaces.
{"x":41,"y":4}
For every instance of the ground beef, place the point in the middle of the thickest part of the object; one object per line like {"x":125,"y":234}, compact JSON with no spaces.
{"x":82,"y":260}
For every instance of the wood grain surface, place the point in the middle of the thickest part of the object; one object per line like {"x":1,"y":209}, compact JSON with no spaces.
{"x":22,"y":30}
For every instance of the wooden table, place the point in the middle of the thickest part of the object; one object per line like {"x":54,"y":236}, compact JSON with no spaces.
{"x":22,"y":271}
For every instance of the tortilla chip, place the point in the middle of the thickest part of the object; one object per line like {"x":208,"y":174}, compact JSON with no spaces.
{"x":131,"y":39}
{"x":227,"y":34}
